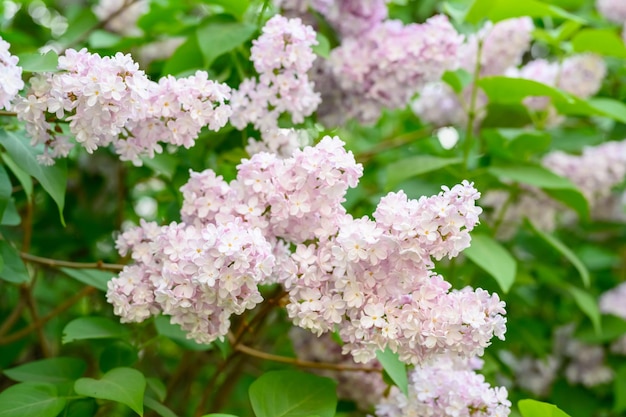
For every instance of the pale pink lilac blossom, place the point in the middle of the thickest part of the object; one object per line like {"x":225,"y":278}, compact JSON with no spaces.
{"x":10,"y":76}
{"x":282,"y":55}
{"x":613,"y":10}
{"x":614,"y":302}
{"x":447,"y":387}
{"x":109,"y":100}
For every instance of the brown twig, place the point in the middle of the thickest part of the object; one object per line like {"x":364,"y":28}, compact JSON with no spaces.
{"x":27,"y":294}
{"x":300,"y":363}
{"x":55,"y":263}
{"x":7,"y":113}
{"x":43,"y":320}
{"x":12,"y":319}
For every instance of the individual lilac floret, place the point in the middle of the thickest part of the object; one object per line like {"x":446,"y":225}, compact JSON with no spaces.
{"x":282,"y":55}
{"x":613,"y":10}
{"x":199,"y":276}
{"x":386,"y":66}
{"x":121,"y":16}
{"x":108,"y":100}
{"x":366,"y":389}
{"x":447,"y":387}
{"x":10,"y":76}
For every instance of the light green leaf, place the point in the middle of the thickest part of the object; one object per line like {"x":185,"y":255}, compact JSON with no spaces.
{"x":93,"y":328}
{"x":608,"y":107}
{"x":6,"y":190}
{"x":589,"y":305}
{"x":557,"y":187}
{"x":53,"y":370}
{"x":30,"y":399}
{"x":156,"y":387}
{"x":123,"y":385}
{"x":395,"y":368}
{"x":22,"y":177}
{"x":323,"y":46}
{"x":14,"y":269}
{"x":186,"y":58}
{"x":494,"y":259}
{"x":236,"y":8}
{"x":10,"y":217}
{"x":52,"y":178}
{"x":158,"y":408}
{"x":36,"y":62}
{"x":502,"y":89}
{"x":600,"y":41}
{"x":458,"y":79}
{"x":103,"y":39}
{"x":496,"y":10}
{"x":533,"y":408}
{"x":414,"y":166}
{"x":565,"y":251}
{"x":217,"y":38}
{"x":218,"y":415}
{"x":293,"y":394}
{"x":619,"y":390}
{"x":94,"y":277}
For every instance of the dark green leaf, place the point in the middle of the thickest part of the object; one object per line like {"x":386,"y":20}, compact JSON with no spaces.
{"x":116,"y":355}
{"x":395,"y":368}
{"x":293,"y":394}
{"x":589,"y":305}
{"x":30,"y":399}
{"x":14,"y":269}
{"x":414,"y":166}
{"x":157,"y":387}
{"x":494,"y":259}
{"x":10,"y":217}
{"x":94,"y":277}
{"x":218,"y":415}
{"x":619,"y":389}
{"x":217,"y":38}
{"x":36,"y":62}
{"x":600,"y":41}
{"x":533,"y":408}
{"x":123,"y":385}
{"x":174,"y":332}
{"x":53,"y":370}
{"x":93,"y":328}
{"x":612,"y":328}
{"x":5,"y":190}
{"x":52,"y":178}
{"x":565,"y":251}
{"x":162,"y":164}
{"x":557,"y":187}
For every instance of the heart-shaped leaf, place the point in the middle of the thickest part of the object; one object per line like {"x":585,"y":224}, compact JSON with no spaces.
{"x":124,"y":385}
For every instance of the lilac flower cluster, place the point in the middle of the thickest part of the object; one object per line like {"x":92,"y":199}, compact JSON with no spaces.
{"x":613,"y":10}
{"x":366,"y":389}
{"x":595,"y":172}
{"x":613,"y":302}
{"x":121,"y":16}
{"x":448,"y":387}
{"x":10,"y":75}
{"x":282,"y":55}
{"x":372,"y":280}
{"x":503,"y":46}
{"x":385,"y":66}
{"x":108,"y":100}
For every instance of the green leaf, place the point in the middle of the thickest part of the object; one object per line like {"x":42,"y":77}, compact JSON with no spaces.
{"x":608,"y":107}
{"x":600,"y":41}
{"x":94,"y":277}
{"x":6,"y":189}
{"x":619,"y":390}
{"x":236,"y":8}
{"x":36,"y":62}
{"x":22,"y":177}
{"x":157,"y":387}
{"x":496,"y":10}
{"x":175,"y":333}
{"x":323,"y":46}
{"x":116,"y":355}
{"x":52,"y":178}
{"x":93,"y":328}
{"x":458,"y":79}
{"x":414,"y":166}
{"x":533,"y":408}
{"x":31,"y":399}
{"x":217,"y":38}
{"x":557,"y":187}
{"x":494,"y":259}
{"x":502,"y":89}
{"x":589,"y":305}
{"x":103,"y":39}
{"x":53,"y":370}
{"x":612,"y":328}
{"x":565,"y":251}
{"x":395,"y":368}
{"x":293,"y":394}
{"x":10,"y":217}
{"x":14,"y":269}
{"x":162,"y":164}
{"x":218,"y":415}
{"x":158,"y":408}
{"x":186,"y":58}
{"x":123,"y":385}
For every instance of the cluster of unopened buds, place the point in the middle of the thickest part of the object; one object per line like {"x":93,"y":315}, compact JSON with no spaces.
{"x":370,"y":280}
